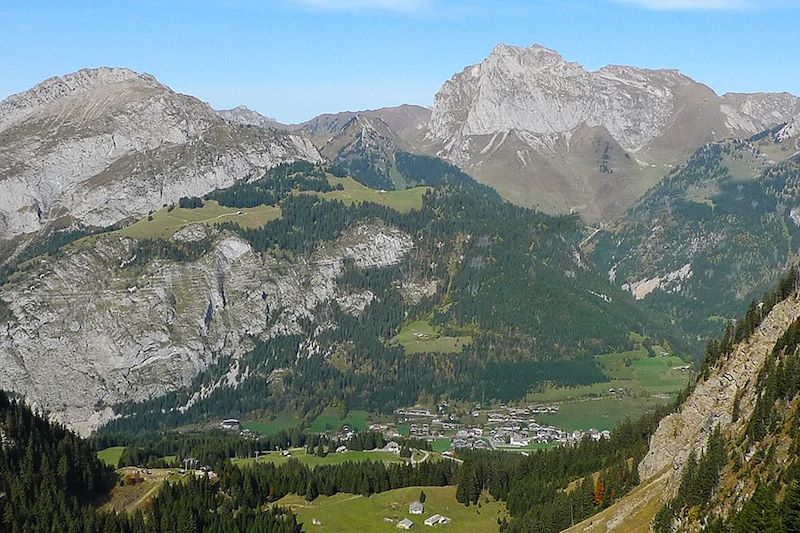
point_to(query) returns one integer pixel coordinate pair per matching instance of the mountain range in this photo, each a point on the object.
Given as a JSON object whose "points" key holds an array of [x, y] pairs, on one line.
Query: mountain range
{"points": [[104, 261]]}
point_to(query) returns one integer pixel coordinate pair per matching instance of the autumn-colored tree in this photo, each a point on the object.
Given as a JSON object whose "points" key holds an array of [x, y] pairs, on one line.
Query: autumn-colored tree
{"points": [[599, 489]]}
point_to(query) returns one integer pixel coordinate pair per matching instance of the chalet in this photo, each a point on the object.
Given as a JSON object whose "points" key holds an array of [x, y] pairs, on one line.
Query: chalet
{"points": [[405, 523], [416, 507], [436, 519], [231, 424], [392, 447]]}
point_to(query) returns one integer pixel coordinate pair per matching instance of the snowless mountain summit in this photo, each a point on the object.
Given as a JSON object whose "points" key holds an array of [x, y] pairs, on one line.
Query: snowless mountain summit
{"points": [[104, 145], [548, 132]]}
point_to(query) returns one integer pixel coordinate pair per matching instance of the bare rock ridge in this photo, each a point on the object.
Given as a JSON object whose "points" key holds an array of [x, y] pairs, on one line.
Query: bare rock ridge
{"points": [[406, 122], [247, 117], [511, 120], [712, 401], [104, 145]]}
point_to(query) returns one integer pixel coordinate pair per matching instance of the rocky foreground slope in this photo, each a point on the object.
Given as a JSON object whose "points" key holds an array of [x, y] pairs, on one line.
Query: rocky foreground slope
{"points": [[746, 403], [548, 132], [100, 146]]}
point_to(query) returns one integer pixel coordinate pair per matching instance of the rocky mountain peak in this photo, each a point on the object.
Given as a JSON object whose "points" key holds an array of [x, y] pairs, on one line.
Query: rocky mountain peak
{"points": [[100, 146], [535, 89], [245, 116], [18, 106], [640, 122]]}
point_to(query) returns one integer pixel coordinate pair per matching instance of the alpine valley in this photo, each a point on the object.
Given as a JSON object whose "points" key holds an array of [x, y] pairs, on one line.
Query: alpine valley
{"points": [[256, 323]]}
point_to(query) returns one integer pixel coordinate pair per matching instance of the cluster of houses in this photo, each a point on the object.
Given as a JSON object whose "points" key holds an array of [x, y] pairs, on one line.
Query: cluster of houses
{"points": [[504, 427], [417, 508]]}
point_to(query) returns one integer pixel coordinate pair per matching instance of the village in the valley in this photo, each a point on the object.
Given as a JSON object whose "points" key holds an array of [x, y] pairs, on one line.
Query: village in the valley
{"points": [[501, 428]]}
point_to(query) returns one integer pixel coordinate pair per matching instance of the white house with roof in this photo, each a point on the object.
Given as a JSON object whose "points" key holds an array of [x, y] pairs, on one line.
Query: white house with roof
{"points": [[436, 519], [405, 523], [392, 447], [416, 507]]}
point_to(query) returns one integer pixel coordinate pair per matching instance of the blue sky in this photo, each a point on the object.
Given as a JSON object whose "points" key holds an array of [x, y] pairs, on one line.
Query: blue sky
{"points": [[293, 59]]}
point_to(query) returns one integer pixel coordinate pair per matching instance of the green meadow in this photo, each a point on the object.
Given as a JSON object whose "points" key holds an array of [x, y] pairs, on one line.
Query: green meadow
{"points": [[356, 193], [163, 224], [421, 337], [346, 513], [312, 461]]}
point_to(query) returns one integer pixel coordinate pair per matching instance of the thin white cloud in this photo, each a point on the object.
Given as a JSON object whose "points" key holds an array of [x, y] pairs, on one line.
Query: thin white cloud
{"points": [[408, 6], [688, 5]]}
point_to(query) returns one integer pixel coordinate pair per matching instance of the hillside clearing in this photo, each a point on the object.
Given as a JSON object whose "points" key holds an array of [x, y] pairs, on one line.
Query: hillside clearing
{"points": [[110, 456], [344, 513], [421, 337], [356, 193], [165, 223], [312, 461]]}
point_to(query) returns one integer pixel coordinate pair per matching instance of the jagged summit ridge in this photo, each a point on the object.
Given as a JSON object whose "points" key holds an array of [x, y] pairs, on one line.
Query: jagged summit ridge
{"points": [[535, 89], [548, 133], [246, 116]]}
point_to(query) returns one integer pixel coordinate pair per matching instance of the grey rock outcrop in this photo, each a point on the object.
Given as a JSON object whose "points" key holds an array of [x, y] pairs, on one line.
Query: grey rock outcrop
{"points": [[711, 403], [140, 330], [245, 116], [104, 145]]}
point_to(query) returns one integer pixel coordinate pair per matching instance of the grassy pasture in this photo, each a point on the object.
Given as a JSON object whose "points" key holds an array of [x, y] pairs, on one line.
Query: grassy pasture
{"points": [[602, 413], [272, 425], [330, 420], [313, 461], [165, 223], [110, 456], [344, 513], [355, 193], [421, 337]]}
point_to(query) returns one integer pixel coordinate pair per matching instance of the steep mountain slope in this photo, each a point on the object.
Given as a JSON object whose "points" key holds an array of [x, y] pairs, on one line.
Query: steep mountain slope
{"points": [[406, 122], [299, 313], [631, 124], [100, 146], [726, 459], [714, 234], [365, 146]]}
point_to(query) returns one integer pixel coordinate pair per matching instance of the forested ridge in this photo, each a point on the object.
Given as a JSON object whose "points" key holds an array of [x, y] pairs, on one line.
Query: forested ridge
{"points": [[509, 277], [51, 479], [554, 489], [729, 213]]}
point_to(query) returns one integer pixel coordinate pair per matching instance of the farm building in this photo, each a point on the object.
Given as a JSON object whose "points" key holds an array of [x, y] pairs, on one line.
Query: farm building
{"points": [[436, 519]]}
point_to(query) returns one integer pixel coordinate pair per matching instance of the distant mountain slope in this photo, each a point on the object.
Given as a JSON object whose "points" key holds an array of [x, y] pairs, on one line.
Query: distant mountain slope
{"points": [[405, 121], [549, 133], [713, 235], [104, 145], [299, 313]]}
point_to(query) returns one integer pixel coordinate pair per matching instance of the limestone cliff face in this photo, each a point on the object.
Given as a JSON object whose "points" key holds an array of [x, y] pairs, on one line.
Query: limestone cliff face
{"points": [[789, 134], [103, 145], [549, 133], [711, 403], [128, 331]]}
